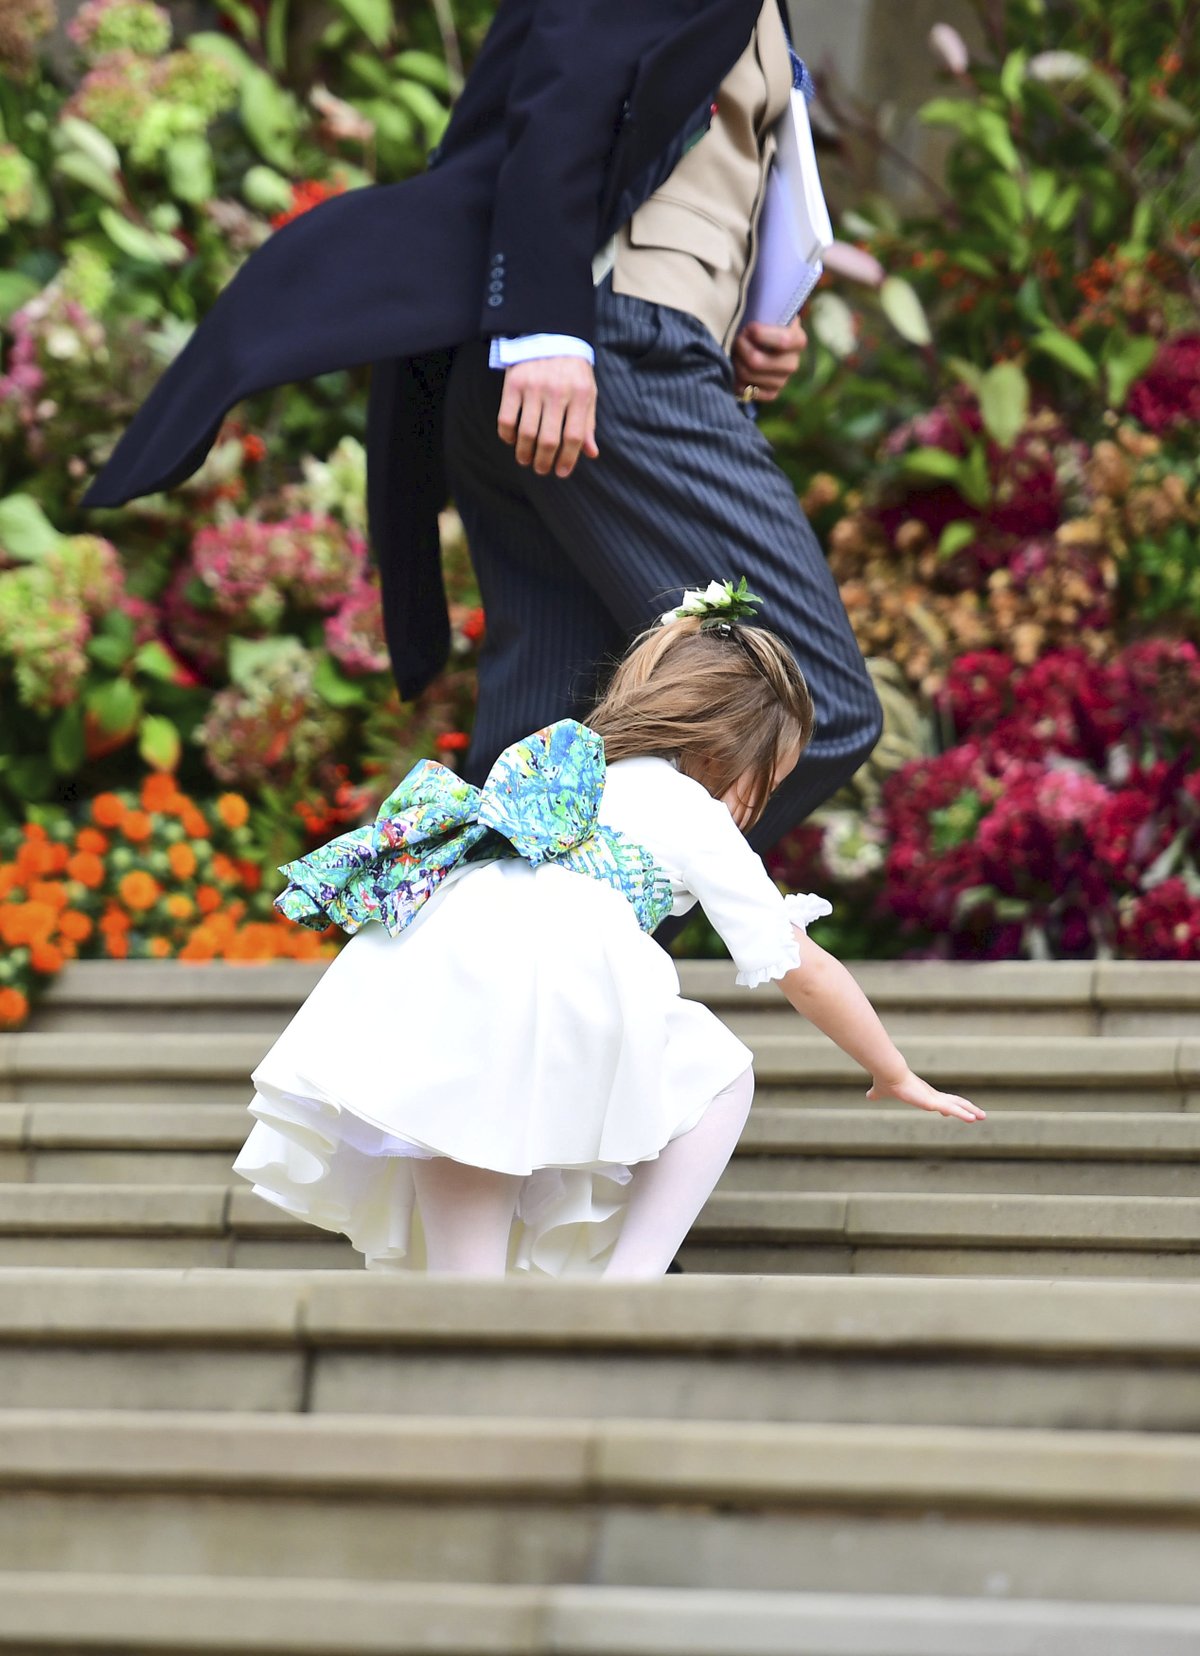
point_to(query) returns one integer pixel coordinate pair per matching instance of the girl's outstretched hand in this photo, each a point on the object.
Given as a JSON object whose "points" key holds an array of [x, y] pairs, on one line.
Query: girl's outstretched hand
{"points": [[910, 1089]]}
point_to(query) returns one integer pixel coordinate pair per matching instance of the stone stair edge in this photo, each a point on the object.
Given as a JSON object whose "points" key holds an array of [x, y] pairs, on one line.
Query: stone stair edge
{"points": [[1102, 984], [315, 1308], [449, 1458], [38, 1125], [365, 1618], [1156, 1223], [1065, 1061]]}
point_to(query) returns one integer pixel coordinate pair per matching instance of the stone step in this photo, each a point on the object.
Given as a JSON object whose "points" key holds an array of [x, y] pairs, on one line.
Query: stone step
{"points": [[245, 1616], [781, 1149], [1036, 1072], [1017, 997], [1083, 1516], [827, 1232], [1099, 1355]]}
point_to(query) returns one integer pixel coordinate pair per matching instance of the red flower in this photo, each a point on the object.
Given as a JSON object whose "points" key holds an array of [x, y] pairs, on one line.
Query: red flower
{"points": [[1162, 924], [452, 741], [309, 193]]}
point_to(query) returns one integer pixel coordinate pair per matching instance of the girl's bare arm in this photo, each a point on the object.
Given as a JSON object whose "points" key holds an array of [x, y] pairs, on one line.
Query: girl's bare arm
{"points": [[823, 991]]}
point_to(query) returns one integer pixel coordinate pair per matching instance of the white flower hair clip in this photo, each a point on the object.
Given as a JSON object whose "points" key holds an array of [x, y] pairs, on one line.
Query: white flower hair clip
{"points": [[718, 606]]}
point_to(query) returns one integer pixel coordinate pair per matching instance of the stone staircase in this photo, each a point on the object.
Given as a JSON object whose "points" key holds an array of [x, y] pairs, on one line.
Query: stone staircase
{"points": [[926, 1390]]}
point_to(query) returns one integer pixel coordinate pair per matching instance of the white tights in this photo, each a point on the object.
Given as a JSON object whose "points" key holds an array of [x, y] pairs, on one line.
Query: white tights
{"points": [[467, 1212]]}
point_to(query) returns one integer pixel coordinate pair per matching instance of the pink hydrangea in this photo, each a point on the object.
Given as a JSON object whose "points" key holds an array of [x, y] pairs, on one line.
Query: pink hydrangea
{"points": [[354, 635]]}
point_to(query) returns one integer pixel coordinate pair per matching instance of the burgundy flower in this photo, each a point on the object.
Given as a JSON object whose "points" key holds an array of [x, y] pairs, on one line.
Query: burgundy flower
{"points": [[1162, 924], [978, 691], [1168, 394]]}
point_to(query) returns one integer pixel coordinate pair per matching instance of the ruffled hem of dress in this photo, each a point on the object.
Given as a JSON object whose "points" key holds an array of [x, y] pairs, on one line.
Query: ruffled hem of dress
{"points": [[329, 1166], [800, 909]]}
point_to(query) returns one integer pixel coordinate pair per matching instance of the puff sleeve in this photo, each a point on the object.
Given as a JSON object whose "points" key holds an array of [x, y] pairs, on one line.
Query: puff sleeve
{"points": [[755, 921]]}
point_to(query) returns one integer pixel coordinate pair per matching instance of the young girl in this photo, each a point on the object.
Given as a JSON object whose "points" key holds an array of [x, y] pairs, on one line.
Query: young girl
{"points": [[498, 1071]]}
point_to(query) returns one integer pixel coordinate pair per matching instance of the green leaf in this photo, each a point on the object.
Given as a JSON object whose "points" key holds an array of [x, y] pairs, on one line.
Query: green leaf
{"points": [[333, 687], [834, 324], [969, 373], [116, 706], [15, 289], [1169, 112], [954, 537], [975, 483], [241, 15], [276, 36], [1012, 75], [82, 169], [1004, 402], [155, 661], [423, 66], [270, 117], [420, 101], [26, 533], [992, 134], [1052, 342], [1062, 209], [1043, 184], [150, 246], [373, 17], [220, 46], [66, 740], [371, 72], [266, 190], [248, 655], [82, 136], [933, 463], [952, 112], [30, 778], [1125, 360], [904, 311], [109, 653], [159, 742], [967, 259], [190, 168]]}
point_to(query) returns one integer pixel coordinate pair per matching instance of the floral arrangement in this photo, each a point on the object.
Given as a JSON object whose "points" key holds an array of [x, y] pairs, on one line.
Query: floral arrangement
{"points": [[153, 876]]}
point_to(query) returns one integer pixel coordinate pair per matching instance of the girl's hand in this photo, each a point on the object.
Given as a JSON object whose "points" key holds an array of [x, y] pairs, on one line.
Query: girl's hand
{"points": [[910, 1089]]}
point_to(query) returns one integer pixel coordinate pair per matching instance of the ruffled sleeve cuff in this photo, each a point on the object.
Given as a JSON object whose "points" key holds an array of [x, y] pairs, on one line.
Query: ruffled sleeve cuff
{"points": [[800, 910]]}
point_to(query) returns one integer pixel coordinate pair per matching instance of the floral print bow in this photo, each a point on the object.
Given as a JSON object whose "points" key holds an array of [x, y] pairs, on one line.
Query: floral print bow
{"points": [[539, 802]]}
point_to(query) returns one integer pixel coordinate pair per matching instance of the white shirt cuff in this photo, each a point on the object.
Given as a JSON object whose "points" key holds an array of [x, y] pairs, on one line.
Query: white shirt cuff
{"points": [[505, 352]]}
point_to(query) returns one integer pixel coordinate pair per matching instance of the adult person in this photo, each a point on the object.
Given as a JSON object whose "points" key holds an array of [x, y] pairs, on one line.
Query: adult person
{"points": [[553, 318]]}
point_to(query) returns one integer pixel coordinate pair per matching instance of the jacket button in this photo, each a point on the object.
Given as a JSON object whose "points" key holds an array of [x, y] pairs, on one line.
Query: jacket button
{"points": [[494, 299]]}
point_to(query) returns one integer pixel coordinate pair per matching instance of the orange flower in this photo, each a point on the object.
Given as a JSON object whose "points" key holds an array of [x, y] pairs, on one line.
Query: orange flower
{"points": [[115, 919], [91, 839], [137, 827], [44, 957], [9, 878], [14, 1008], [182, 860], [74, 926], [86, 867], [117, 947], [139, 890], [159, 948], [34, 859], [224, 868], [249, 873], [26, 923], [59, 856], [51, 892], [233, 810], [208, 898], [107, 810], [158, 791], [35, 831], [180, 907], [201, 945], [195, 824]]}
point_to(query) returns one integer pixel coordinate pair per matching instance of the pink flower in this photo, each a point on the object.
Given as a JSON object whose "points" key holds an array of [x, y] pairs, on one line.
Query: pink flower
{"points": [[1162, 924], [354, 636]]}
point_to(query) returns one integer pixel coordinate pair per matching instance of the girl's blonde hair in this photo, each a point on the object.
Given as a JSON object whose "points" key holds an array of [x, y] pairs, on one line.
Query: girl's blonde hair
{"points": [[720, 703]]}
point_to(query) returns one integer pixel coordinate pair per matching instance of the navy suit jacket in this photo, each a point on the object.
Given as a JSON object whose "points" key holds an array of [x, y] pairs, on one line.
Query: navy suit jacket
{"points": [[574, 113]]}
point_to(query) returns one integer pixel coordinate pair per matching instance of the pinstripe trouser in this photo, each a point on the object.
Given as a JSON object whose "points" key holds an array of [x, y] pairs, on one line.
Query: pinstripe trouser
{"points": [[685, 491]]}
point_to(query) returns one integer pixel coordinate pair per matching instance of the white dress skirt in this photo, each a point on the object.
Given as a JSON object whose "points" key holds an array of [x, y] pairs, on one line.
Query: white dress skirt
{"points": [[525, 1023]]}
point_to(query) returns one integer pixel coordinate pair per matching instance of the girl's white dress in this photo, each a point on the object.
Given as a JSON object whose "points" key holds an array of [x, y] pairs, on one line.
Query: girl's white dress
{"points": [[523, 1022]]}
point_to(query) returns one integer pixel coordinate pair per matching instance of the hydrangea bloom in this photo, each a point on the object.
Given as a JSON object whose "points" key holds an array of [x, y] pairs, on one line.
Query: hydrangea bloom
{"points": [[102, 26], [354, 634], [272, 728], [17, 179]]}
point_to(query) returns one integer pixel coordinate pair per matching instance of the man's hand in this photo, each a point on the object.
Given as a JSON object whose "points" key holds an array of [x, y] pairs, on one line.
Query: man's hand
{"points": [[767, 357], [548, 410]]}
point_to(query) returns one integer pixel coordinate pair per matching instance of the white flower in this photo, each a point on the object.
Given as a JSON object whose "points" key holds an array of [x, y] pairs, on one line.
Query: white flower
{"points": [[950, 46], [695, 602], [1057, 66]]}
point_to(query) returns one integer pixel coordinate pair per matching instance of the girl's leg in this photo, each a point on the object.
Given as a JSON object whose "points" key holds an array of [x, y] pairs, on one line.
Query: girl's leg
{"points": [[467, 1215], [667, 1194]]}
